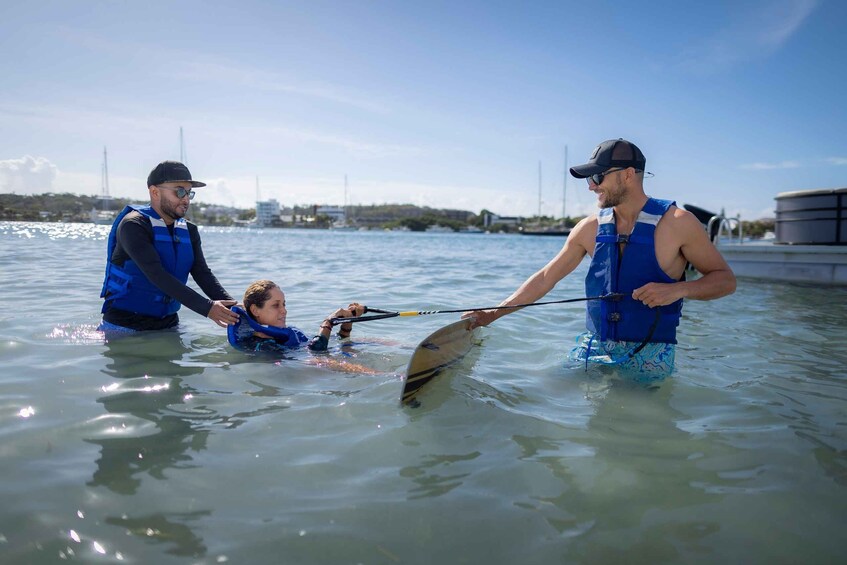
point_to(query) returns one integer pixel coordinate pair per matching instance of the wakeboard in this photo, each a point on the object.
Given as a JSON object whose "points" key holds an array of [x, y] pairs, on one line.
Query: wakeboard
{"points": [[439, 351]]}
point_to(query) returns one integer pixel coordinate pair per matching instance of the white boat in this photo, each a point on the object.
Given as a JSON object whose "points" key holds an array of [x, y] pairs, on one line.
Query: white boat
{"points": [[104, 216], [342, 225], [809, 246]]}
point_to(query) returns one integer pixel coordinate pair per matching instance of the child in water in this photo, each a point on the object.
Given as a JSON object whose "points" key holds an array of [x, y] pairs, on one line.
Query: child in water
{"points": [[262, 324]]}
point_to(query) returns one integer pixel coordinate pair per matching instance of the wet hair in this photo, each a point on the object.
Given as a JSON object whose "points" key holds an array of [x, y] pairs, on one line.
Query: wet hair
{"points": [[258, 293]]}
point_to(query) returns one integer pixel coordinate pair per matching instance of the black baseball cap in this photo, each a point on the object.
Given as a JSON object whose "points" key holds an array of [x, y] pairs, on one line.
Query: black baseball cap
{"points": [[611, 154], [171, 171]]}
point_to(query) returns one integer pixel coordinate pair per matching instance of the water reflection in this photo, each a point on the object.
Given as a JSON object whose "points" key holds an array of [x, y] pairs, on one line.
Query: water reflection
{"points": [[430, 483], [158, 424], [170, 530], [636, 469], [147, 394], [156, 435]]}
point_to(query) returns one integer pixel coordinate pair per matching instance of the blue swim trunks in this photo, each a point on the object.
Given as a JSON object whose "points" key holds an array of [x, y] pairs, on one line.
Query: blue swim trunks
{"points": [[654, 360]]}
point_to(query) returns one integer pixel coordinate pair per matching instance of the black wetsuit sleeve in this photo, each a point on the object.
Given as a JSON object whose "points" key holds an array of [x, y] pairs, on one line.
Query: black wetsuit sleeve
{"points": [[135, 240], [201, 273], [318, 343]]}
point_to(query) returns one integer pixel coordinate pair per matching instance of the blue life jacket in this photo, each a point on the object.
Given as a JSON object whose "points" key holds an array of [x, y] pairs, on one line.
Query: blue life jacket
{"points": [[126, 287], [240, 331], [628, 319]]}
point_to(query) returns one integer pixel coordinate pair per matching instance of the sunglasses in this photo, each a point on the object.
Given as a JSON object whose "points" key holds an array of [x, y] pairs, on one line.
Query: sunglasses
{"points": [[181, 192], [598, 178]]}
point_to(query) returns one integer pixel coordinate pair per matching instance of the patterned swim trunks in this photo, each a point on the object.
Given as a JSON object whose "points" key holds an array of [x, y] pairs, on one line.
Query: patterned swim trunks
{"points": [[655, 360]]}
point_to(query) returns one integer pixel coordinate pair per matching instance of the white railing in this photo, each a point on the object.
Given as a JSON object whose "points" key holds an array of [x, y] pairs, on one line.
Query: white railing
{"points": [[731, 227]]}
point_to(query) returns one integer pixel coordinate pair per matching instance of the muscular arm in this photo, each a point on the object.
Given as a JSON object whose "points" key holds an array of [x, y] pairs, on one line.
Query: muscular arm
{"points": [[693, 243], [579, 243]]}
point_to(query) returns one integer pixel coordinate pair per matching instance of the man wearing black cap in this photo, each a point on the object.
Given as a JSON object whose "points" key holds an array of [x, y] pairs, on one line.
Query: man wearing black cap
{"points": [[151, 251], [639, 247]]}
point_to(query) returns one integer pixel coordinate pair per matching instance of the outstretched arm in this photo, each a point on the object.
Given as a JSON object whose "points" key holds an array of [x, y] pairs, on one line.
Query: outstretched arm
{"points": [[579, 241]]}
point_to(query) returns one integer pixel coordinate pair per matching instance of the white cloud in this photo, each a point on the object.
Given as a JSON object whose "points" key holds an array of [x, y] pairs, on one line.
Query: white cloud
{"points": [[195, 65], [770, 166], [750, 214], [754, 33], [357, 147], [135, 119], [258, 79], [27, 175], [837, 160], [218, 191], [781, 20]]}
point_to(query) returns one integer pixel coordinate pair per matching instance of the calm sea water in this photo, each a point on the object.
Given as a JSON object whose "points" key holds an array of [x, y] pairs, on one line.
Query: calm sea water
{"points": [[173, 448]]}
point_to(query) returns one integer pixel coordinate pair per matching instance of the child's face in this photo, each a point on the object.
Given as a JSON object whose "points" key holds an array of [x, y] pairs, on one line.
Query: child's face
{"points": [[273, 312]]}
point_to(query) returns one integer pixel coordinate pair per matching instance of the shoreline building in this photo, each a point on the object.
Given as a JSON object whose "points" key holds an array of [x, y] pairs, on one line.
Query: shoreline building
{"points": [[492, 219], [267, 213]]}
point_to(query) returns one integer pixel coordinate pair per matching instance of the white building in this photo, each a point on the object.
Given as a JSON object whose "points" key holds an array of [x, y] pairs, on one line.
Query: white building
{"points": [[267, 212], [334, 212]]}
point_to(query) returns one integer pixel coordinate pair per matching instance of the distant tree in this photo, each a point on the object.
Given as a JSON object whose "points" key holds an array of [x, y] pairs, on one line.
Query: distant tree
{"points": [[757, 228], [323, 221], [415, 224]]}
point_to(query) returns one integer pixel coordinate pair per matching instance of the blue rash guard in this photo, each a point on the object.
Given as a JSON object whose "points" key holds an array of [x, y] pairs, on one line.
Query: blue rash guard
{"points": [[621, 264], [127, 288]]}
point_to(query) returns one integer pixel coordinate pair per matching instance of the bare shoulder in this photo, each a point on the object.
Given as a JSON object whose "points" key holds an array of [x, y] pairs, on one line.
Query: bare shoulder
{"points": [[682, 223], [588, 221], [682, 217], [584, 233]]}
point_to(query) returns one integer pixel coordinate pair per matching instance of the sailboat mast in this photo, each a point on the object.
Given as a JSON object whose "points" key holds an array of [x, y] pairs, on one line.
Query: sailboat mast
{"points": [[346, 208], [565, 185], [539, 191], [104, 188], [182, 155]]}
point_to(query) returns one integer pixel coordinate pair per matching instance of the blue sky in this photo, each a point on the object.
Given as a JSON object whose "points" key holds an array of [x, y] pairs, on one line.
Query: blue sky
{"points": [[446, 104]]}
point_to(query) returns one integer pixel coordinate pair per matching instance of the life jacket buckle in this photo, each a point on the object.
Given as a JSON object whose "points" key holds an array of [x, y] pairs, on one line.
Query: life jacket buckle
{"points": [[614, 317]]}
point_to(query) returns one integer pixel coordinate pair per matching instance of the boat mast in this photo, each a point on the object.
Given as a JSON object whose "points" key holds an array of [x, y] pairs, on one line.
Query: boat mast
{"points": [[539, 192], [182, 155], [104, 178], [565, 186]]}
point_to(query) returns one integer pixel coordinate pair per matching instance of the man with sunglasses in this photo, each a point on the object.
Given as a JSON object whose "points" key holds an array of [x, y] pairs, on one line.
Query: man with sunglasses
{"points": [[151, 251], [639, 247]]}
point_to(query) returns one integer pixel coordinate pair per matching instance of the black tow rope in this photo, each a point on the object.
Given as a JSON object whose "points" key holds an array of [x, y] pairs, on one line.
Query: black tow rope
{"points": [[384, 314]]}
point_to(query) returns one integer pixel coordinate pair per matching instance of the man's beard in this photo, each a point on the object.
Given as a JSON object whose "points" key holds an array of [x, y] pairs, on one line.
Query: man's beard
{"points": [[172, 210], [612, 197]]}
